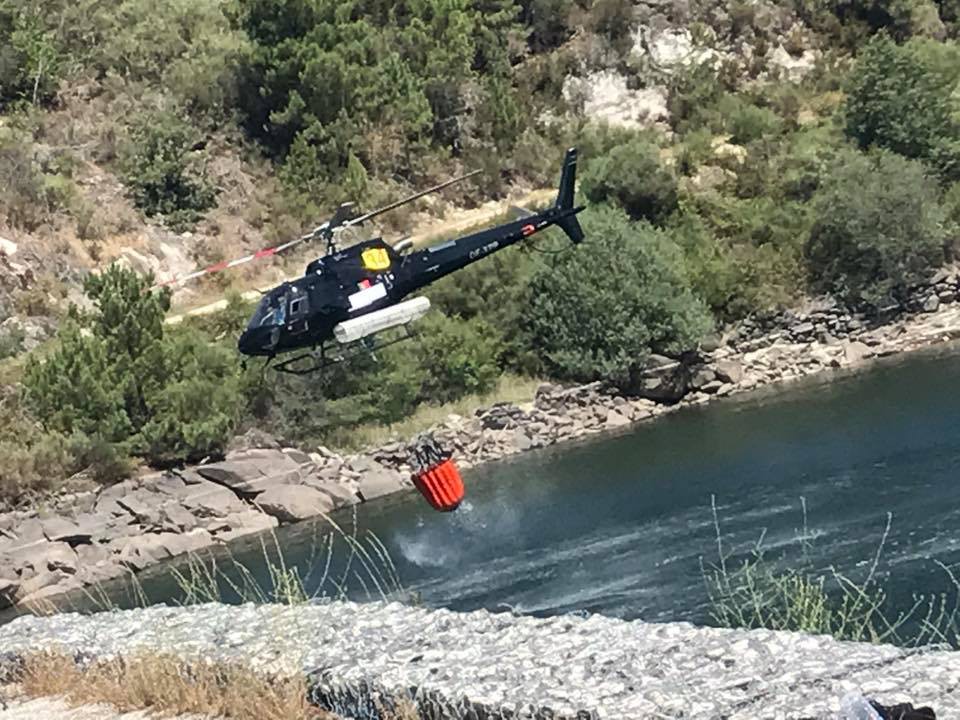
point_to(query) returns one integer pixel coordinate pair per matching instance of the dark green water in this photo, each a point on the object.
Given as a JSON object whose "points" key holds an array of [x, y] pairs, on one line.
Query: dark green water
{"points": [[618, 525]]}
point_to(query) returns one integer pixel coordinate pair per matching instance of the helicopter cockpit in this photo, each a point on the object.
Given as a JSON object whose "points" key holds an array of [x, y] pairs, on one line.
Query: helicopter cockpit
{"points": [[272, 310]]}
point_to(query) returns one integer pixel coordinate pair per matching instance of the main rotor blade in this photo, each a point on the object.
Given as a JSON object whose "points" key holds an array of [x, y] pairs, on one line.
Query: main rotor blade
{"points": [[227, 264], [411, 198], [312, 235]]}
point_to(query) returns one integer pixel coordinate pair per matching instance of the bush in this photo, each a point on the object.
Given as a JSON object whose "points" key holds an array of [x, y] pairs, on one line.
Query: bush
{"points": [[31, 460], [494, 292], [459, 357], [879, 228], [597, 315], [117, 385], [746, 122], [898, 100], [632, 176], [164, 178], [30, 61]]}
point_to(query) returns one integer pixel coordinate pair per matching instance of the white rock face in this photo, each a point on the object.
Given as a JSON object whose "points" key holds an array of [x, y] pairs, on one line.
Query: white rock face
{"points": [[671, 48], [7, 247], [606, 98], [792, 68]]}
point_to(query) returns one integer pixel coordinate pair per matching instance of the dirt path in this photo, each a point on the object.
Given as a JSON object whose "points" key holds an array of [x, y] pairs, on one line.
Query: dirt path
{"points": [[465, 221]]}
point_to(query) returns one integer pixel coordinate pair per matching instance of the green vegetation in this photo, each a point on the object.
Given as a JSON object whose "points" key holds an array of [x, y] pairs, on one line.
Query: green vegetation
{"points": [[879, 229], [900, 98], [596, 316], [118, 384], [752, 590], [161, 176]]}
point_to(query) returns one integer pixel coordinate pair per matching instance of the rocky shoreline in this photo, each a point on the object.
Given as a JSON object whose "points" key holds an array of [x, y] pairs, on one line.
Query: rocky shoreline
{"points": [[361, 658], [89, 539]]}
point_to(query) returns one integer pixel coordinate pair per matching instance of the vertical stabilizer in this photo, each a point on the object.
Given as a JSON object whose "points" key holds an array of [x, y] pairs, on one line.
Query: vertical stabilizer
{"points": [[568, 178]]}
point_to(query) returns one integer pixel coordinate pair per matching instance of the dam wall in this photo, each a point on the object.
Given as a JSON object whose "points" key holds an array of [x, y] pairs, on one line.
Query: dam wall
{"points": [[362, 657]]}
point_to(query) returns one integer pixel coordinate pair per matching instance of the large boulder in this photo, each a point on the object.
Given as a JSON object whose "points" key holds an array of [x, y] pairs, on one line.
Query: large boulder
{"points": [[140, 552], [250, 472], [379, 481], [856, 352], [729, 371], [58, 529], [663, 379], [208, 499], [238, 525], [37, 558], [340, 495], [292, 503]]}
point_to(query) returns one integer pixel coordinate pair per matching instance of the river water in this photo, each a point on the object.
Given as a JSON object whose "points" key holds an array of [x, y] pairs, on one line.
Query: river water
{"points": [[624, 525]]}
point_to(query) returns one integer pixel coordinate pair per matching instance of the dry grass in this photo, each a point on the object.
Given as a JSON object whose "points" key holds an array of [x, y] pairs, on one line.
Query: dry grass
{"points": [[168, 686], [510, 388]]}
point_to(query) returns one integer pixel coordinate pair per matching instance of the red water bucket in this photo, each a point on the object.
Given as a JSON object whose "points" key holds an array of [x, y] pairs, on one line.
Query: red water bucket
{"points": [[441, 485]]}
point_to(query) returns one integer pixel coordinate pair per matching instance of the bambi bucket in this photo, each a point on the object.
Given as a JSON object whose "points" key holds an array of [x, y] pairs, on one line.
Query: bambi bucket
{"points": [[441, 485]]}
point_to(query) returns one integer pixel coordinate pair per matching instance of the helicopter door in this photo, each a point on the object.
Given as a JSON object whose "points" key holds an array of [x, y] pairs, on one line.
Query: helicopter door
{"points": [[298, 311]]}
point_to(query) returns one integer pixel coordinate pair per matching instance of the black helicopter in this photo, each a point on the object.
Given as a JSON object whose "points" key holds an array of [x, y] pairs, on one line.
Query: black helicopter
{"points": [[349, 295]]}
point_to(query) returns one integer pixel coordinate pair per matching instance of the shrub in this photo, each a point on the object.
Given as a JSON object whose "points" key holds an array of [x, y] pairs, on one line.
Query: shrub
{"points": [[164, 178], [597, 315], [32, 192], [632, 176], [459, 357], [898, 100], [746, 122], [116, 384], [31, 460], [492, 291], [879, 228], [30, 60]]}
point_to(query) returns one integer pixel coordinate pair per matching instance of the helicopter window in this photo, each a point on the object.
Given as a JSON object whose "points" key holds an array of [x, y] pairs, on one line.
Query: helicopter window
{"points": [[269, 312], [295, 306]]}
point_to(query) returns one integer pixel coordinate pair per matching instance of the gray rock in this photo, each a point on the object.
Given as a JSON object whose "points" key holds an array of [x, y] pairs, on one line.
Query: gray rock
{"points": [[175, 515], [729, 371], [208, 499], [931, 304], [340, 495], [253, 471], [701, 377], [140, 552], [243, 524], [59, 529], [615, 419], [143, 506], [174, 544], [712, 387], [855, 352], [38, 582], [377, 483], [291, 503], [478, 664]]}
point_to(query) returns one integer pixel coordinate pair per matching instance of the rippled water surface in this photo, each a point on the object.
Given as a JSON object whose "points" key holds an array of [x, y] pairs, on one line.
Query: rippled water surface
{"points": [[620, 525]]}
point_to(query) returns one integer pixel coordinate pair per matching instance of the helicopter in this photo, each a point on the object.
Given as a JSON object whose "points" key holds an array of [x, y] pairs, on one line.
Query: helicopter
{"points": [[350, 295]]}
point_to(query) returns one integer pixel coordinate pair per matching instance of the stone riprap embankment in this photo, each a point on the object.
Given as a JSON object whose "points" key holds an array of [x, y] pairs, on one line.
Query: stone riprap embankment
{"points": [[82, 540], [357, 654]]}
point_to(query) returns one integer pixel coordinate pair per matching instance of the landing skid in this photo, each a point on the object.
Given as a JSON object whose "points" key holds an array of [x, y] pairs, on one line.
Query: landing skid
{"points": [[321, 359]]}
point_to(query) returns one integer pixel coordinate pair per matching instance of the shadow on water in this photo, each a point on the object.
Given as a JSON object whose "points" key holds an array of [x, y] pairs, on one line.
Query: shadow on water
{"points": [[618, 525]]}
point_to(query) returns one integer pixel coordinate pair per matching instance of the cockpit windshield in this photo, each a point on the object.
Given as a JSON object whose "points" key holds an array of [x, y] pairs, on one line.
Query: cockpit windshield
{"points": [[272, 311]]}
